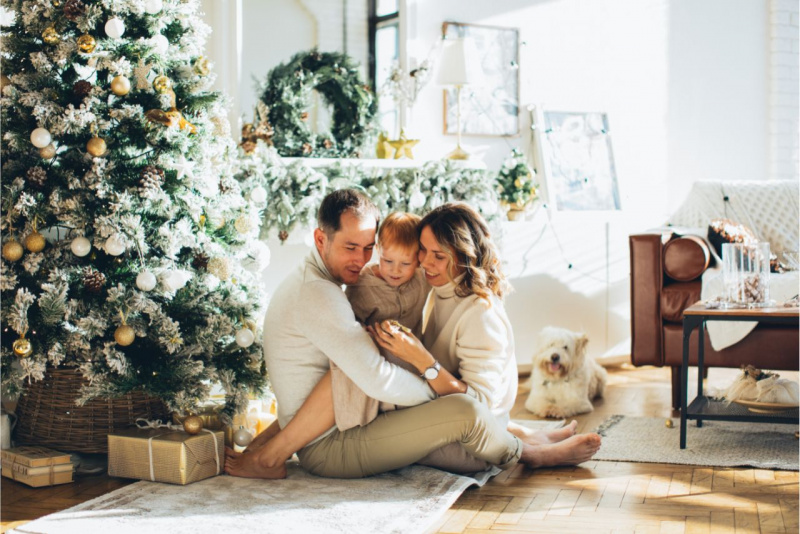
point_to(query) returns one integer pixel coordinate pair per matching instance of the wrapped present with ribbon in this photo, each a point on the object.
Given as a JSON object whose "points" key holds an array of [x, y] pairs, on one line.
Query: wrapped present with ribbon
{"points": [[37, 466], [165, 453], [213, 419]]}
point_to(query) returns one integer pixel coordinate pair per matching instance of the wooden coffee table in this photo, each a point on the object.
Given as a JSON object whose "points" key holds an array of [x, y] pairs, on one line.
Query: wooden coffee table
{"points": [[703, 407]]}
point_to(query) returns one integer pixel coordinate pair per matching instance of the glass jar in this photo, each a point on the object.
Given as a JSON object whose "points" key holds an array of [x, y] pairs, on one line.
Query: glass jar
{"points": [[745, 274]]}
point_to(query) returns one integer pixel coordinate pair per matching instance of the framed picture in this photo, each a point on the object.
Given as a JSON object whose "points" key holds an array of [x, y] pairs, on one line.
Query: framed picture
{"points": [[490, 107], [573, 152]]}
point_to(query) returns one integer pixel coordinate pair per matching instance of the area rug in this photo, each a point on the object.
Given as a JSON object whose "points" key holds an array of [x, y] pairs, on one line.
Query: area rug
{"points": [[406, 501], [716, 443]]}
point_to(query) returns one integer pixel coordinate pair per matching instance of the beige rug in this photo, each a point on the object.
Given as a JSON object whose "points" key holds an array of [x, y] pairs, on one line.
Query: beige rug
{"points": [[405, 501], [716, 443]]}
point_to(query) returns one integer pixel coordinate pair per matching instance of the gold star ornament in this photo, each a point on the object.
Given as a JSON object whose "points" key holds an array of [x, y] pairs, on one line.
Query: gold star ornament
{"points": [[402, 147]]}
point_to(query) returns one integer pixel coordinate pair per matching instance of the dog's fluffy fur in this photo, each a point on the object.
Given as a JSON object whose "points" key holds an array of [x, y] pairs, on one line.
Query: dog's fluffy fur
{"points": [[563, 379]]}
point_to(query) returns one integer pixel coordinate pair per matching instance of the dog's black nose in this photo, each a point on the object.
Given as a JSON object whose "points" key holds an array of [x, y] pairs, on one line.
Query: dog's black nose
{"points": [[554, 358]]}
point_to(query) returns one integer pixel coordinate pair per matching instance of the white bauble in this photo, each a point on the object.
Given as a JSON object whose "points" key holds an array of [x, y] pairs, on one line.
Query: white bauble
{"points": [[151, 7], [176, 279], [416, 201], [257, 258], [41, 137], [159, 43], [114, 245], [242, 437], [146, 281], [80, 246], [245, 337], [258, 194], [115, 27]]}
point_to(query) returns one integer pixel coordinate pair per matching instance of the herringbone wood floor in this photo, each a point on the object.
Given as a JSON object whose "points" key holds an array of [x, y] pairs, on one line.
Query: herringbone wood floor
{"points": [[593, 497]]}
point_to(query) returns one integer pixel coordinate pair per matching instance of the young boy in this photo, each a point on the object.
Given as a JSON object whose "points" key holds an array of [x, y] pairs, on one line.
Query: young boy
{"points": [[396, 289]]}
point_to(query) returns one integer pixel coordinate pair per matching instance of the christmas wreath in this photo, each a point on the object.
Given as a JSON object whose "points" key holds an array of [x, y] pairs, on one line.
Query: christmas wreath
{"points": [[336, 77]]}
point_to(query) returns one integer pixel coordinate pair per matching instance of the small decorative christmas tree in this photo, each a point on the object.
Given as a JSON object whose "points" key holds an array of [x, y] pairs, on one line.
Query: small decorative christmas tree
{"points": [[126, 233], [515, 185]]}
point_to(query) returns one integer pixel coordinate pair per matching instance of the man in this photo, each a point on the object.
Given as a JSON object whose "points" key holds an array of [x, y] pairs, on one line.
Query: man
{"points": [[310, 323]]}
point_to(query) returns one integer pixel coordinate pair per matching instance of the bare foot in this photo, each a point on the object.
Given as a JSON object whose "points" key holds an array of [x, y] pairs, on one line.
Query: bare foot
{"points": [[571, 451], [249, 466], [542, 437]]}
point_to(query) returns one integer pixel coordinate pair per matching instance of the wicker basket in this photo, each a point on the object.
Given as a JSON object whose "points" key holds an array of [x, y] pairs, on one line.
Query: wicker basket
{"points": [[48, 415]]}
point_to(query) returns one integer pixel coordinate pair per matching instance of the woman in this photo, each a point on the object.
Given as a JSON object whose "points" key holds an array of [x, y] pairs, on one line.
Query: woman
{"points": [[469, 338]]}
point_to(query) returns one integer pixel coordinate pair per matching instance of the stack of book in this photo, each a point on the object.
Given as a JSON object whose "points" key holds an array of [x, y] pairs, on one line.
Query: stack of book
{"points": [[37, 466]]}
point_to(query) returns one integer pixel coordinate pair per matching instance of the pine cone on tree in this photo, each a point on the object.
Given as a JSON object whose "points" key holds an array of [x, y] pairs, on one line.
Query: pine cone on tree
{"points": [[225, 184], [200, 260], [37, 176], [93, 280], [283, 235], [74, 9], [152, 178], [81, 89]]}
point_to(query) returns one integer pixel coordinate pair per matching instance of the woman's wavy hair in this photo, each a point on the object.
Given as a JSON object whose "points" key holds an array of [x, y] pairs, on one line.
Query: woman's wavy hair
{"points": [[464, 236]]}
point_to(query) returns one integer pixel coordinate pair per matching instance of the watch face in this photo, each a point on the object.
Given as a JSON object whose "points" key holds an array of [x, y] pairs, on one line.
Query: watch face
{"points": [[431, 373]]}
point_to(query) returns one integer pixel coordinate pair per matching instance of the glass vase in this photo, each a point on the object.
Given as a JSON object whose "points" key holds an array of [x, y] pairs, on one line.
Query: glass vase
{"points": [[745, 274]]}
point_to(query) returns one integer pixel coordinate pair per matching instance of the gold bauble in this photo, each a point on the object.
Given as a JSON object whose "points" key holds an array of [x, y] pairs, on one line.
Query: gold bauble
{"points": [[35, 242], [162, 84], [96, 147], [193, 424], [22, 347], [86, 43], [120, 86], [50, 35], [668, 423], [124, 335], [12, 250], [201, 66], [48, 152]]}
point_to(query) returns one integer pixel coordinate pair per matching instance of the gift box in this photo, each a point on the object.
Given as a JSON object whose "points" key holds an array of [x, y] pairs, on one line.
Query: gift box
{"points": [[37, 466], [165, 455]]}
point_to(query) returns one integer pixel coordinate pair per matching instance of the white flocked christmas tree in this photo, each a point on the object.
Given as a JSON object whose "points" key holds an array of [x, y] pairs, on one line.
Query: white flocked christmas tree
{"points": [[130, 247]]}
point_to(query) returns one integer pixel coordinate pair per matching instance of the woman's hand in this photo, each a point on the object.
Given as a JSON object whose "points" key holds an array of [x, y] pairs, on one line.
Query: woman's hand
{"points": [[402, 344]]}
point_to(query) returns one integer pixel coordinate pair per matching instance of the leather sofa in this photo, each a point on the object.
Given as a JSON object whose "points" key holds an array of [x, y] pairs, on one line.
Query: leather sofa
{"points": [[665, 280]]}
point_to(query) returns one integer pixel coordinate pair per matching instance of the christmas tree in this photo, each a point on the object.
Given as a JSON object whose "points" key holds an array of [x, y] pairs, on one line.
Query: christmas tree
{"points": [[126, 233]]}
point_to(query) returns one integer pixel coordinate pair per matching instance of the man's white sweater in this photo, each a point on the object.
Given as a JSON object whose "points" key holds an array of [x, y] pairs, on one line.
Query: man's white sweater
{"points": [[310, 323]]}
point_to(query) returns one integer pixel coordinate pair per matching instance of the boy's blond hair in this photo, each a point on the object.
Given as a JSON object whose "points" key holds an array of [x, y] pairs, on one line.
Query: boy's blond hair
{"points": [[400, 229]]}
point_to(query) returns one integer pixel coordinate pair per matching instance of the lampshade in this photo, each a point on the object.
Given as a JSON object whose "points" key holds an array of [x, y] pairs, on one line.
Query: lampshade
{"points": [[459, 63]]}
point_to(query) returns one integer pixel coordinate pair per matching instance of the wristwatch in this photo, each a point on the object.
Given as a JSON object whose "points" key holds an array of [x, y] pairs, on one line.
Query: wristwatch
{"points": [[432, 372]]}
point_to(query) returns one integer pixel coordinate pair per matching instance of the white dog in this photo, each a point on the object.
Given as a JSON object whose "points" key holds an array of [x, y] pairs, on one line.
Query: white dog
{"points": [[564, 380]]}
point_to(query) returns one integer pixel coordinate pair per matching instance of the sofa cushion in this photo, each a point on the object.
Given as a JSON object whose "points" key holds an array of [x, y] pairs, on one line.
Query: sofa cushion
{"points": [[677, 297], [686, 258]]}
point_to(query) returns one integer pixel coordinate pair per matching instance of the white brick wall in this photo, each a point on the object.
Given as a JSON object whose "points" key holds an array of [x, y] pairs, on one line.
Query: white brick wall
{"points": [[784, 103]]}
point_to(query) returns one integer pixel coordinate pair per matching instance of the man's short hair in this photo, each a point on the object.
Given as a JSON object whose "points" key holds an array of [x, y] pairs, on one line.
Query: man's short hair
{"points": [[399, 229], [329, 216]]}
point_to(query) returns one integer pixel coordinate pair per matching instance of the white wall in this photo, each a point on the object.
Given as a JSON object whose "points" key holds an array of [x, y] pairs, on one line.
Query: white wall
{"points": [[685, 86]]}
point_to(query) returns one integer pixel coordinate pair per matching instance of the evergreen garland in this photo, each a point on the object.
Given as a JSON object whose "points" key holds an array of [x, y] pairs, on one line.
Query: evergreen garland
{"points": [[336, 78]]}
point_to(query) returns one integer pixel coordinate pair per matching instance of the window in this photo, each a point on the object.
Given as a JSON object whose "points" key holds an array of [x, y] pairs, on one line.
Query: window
{"points": [[384, 53]]}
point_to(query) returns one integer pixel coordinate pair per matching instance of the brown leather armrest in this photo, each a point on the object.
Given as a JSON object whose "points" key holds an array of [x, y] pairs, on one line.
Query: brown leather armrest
{"points": [[647, 280]]}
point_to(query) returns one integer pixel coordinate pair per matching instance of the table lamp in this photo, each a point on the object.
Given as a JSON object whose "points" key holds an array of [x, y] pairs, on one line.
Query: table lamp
{"points": [[458, 66]]}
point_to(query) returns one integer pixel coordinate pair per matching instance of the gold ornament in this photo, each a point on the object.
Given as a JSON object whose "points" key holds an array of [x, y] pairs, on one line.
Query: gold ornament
{"points": [[402, 147], [12, 250], [162, 84], [96, 146], [22, 347], [201, 221], [193, 425], [124, 335], [35, 242], [201, 66], [50, 35], [384, 149], [86, 43], [47, 152], [120, 85], [668, 423], [141, 72]]}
